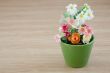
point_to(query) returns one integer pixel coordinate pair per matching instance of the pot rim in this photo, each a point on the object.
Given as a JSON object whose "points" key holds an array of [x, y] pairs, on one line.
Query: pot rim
{"points": [[92, 41]]}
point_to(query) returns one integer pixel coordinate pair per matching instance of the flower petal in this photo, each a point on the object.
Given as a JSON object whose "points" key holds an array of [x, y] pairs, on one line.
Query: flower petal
{"points": [[57, 38]]}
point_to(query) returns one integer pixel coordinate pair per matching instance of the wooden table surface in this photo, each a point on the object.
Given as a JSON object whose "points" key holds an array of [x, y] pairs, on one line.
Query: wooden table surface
{"points": [[27, 29]]}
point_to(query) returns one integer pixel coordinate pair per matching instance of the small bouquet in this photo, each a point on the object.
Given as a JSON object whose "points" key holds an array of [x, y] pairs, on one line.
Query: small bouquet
{"points": [[73, 27]]}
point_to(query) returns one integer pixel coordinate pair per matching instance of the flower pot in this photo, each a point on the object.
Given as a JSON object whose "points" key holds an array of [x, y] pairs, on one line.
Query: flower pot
{"points": [[77, 55]]}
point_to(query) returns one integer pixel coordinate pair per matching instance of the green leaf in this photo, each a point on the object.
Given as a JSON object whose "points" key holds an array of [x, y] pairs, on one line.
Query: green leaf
{"points": [[73, 30], [64, 39], [66, 14]]}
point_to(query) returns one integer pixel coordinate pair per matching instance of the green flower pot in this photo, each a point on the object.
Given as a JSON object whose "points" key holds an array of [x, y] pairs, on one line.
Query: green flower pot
{"points": [[76, 55]]}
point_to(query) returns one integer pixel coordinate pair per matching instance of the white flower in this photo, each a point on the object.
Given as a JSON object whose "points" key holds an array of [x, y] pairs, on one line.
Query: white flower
{"points": [[86, 38], [88, 12], [81, 19], [77, 23], [60, 29], [72, 9], [89, 15], [61, 32]]}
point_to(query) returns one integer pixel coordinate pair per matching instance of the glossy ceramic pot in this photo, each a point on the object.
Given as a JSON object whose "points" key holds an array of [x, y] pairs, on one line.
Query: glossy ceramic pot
{"points": [[77, 55]]}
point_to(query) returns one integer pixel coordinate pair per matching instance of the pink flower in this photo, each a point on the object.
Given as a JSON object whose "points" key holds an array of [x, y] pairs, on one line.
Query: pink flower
{"points": [[70, 21], [65, 28], [67, 34], [85, 29], [57, 38], [82, 30], [88, 29]]}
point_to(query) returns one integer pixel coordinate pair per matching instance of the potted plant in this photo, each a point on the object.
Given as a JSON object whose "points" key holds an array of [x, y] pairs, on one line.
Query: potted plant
{"points": [[75, 35]]}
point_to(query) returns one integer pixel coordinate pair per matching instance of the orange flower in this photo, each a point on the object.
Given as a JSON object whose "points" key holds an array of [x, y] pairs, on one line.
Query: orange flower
{"points": [[69, 38], [75, 38]]}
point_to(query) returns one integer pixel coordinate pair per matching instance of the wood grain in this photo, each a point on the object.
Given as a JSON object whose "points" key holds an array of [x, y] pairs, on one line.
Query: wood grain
{"points": [[27, 28]]}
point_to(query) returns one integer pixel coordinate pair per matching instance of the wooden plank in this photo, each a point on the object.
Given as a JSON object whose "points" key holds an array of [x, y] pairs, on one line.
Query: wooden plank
{"points": [[27, 29]]}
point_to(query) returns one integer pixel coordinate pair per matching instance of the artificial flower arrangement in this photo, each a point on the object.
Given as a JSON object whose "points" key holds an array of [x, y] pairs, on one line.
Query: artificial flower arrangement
{"points": [[73, 27], [75, 35]]}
